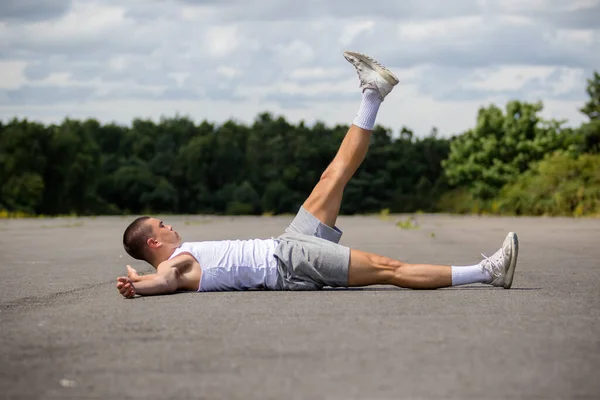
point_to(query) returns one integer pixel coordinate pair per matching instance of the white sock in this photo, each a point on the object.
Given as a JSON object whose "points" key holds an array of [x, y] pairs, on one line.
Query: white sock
{"points": [[469, 274], [368, 110]]}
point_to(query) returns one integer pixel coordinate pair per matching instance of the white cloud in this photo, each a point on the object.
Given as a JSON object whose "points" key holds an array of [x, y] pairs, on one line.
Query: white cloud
{"points": [[516, 20], [520, 6], [227, 72], [120, 60], [353, 29], [569, 79], [98, 21], [297, 51], [198, 13], [179, 77], [222, 40], [11, 74], [439, 29], [580, 4], [304, 89], [118, 63], [508, 77], [300, 74], [576, 37], [535, 82]]}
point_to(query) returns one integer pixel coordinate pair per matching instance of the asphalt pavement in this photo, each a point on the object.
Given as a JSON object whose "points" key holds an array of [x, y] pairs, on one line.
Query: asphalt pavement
{"points": [[66, 333]]}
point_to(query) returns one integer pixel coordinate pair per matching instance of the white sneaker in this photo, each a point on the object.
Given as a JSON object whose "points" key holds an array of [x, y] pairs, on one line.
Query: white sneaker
{"points": [[372, 75], [501, 265]]}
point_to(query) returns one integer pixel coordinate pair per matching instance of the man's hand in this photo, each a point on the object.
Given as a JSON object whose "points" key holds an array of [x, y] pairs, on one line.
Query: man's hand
{"points": [[133, 274], [166, 279], [125, 286]]}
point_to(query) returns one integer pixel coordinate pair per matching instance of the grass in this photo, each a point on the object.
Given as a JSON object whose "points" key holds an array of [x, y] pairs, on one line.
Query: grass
{"points": [[384, 214], [408, 223], [5, 214]]}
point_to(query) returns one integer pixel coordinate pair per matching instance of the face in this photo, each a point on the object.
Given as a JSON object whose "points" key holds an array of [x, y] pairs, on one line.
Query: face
{"points": [[164, 234]]}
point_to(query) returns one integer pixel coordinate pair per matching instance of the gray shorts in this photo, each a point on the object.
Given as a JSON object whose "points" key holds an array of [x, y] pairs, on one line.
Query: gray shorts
{"points": [[309, 256]]}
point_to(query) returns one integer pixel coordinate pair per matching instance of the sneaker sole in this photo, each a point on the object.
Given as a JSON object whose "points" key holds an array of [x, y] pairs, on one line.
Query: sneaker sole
{"points": [[510, 272], [380, 69]]}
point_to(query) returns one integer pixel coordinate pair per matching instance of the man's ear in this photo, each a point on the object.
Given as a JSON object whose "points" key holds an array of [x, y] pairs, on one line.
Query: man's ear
{"points": [[153, 243]]}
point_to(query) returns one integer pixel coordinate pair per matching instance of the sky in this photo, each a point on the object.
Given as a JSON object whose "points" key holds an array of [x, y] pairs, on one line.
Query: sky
{"points": [[116, 60]]}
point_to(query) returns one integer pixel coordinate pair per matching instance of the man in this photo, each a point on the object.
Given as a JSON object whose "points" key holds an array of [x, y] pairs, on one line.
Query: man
{"points": [[307, 256]]}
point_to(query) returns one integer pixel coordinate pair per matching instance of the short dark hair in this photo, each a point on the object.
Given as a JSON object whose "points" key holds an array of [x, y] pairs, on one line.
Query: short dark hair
{"points": [[135, 237]]}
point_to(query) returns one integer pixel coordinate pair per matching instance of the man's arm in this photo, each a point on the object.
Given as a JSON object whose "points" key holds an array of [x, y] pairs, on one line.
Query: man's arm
{"points": [[165, 281], [136, 277], [148, 277]]}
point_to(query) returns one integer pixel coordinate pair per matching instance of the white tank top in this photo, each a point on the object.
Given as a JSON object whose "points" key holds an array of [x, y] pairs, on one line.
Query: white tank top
{"points": [[234, 264]]}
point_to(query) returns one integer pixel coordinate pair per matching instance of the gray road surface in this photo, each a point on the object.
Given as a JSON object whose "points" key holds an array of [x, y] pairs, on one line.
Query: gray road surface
{"points": [[66, 332]]}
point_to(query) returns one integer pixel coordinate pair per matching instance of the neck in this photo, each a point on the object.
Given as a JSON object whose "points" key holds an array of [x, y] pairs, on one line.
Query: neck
{"points": [[161, 255]]}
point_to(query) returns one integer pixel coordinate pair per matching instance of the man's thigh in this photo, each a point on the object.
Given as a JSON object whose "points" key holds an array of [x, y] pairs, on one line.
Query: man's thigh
{"points": [[311, 263], [307, 224], [325, 200]]}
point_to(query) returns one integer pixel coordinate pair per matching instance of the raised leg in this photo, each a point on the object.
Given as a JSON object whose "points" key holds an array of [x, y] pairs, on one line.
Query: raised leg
{"points": [[326, 198], [376, 82]]}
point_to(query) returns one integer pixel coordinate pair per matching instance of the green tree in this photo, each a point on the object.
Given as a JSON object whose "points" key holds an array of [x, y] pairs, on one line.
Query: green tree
{"points": [[71, 178], [590, 132], [278, 198], [502, 146], [193, 169], [131, 187], [561, 184], [23, 159], [181, 167], [592, 107]]}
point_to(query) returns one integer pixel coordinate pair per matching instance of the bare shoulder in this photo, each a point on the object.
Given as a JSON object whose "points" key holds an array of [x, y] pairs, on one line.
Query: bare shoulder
{"points": [[180, 261], [187, 270]]}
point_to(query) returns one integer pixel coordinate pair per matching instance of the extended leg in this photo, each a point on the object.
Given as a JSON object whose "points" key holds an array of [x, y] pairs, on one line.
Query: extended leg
{"points": [[371, 269], [376, 82]]}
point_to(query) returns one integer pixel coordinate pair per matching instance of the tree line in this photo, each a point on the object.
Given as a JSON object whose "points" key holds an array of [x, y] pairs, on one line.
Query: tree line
{"points": [[511, 161]]}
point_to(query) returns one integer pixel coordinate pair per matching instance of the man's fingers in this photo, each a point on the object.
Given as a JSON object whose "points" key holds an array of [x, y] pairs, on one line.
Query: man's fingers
{"points": [[125, 286]]}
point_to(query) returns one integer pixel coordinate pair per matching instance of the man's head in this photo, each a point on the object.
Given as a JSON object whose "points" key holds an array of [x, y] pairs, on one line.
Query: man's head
{"points": [[149, 239]]}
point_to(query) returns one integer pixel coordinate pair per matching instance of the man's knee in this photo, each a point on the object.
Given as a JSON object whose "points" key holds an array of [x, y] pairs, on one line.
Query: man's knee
{"points": [[389, 269]]}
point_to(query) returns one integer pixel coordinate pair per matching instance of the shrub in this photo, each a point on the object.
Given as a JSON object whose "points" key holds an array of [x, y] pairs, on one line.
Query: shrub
{"points": [[560, 185]]}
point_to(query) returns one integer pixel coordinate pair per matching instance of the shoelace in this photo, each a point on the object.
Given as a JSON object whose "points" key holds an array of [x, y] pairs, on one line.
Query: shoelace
{"points": [[358, 64], [495, 261], [373, 61]]}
